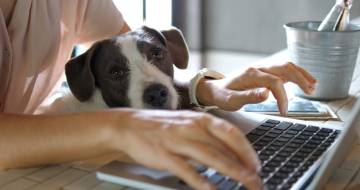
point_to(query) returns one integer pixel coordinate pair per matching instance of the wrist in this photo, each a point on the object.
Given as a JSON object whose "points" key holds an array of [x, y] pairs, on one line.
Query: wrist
{"points": [[117, 121], [204, 92]]}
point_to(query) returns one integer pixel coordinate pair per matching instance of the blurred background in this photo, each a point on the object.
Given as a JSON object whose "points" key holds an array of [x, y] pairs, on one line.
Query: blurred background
{"points": [[227, 34]]}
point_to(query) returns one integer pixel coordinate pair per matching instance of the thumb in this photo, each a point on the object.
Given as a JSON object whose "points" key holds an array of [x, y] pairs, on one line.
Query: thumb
{"points": [[232, 100]]}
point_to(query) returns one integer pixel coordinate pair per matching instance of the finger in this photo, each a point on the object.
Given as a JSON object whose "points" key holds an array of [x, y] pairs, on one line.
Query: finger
{"points": [[213, 158], [179, 167], [306, 74], [290, 72], [275, 84], [234, 100], [238, 143]]}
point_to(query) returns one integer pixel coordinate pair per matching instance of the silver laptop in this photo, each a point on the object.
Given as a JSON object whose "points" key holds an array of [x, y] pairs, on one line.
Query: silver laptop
{"points": [[294, 154]]}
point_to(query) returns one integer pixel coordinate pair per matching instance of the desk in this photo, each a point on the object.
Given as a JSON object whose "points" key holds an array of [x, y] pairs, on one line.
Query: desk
{"points": [[81, 175]]}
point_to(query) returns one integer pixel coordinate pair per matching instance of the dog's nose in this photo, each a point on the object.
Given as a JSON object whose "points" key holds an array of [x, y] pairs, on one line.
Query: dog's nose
{"points": [[155, 95]]}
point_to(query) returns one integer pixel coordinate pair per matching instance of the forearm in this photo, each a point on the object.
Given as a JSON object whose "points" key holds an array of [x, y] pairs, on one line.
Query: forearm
{"points": [[204, 93], [27, 140]]}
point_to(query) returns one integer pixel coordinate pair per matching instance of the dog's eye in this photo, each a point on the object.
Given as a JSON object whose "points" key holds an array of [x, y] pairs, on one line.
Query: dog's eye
{"points": [[117, 73], [157, 53]]}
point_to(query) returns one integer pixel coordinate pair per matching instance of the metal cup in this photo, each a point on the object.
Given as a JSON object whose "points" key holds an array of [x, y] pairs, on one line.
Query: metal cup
{"points": [[330, 56]]}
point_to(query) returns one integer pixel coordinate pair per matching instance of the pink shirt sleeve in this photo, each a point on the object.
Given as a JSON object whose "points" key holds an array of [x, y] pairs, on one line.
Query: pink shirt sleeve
{"points": [[100, 19]]}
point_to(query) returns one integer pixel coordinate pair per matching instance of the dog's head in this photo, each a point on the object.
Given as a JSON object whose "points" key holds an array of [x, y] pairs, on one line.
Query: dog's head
{"points": [[131, 70]]}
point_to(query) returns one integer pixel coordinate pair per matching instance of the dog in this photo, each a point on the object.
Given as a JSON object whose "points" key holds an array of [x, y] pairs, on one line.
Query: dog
{"points": [[134, 69]]}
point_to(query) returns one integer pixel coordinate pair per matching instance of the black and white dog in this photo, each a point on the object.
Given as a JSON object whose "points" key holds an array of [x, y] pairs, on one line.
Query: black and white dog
{"points": [[131, 70]]}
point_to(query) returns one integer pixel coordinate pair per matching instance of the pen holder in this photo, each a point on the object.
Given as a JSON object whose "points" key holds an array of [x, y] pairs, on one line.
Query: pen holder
{"points": [[330, 56]]}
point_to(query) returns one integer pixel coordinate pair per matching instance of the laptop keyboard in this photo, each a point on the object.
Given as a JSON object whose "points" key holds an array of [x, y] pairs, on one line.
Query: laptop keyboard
{"points": [[286, 150]]}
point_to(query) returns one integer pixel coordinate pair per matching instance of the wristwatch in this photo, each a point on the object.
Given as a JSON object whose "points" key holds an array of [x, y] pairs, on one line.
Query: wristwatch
{"points": [[203, 73]]}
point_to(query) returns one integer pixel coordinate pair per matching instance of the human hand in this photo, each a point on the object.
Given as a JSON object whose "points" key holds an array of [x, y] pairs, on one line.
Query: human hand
{"points": [[167, 140], [253, 85]]}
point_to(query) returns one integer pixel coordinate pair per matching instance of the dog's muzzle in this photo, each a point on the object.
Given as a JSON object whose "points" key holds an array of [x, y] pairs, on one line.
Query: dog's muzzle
{"points": [[156, 96]]}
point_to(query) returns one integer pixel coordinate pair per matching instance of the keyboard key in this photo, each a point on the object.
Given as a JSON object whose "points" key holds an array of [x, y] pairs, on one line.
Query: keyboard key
{"points": [[286, 170], [283, 125], [287, 135], [277, 131], [268, 152], [293, 145], [272, 135], [289, 149], [298, 127], [296, 159], [318, 153], [261, 143], [337, 132], [216, 178], [303, 168], [268, 125], [278, 143], [291, 132], [273, 148], [281, 175], [267, 139], [330, 140], [227, 184], [306, 150], [273, 164], [275, 180], [263, 157], [267, 169], [301, 154], [326, 130], [315, 142], [264, 128], [272, 121], [286, 186], [279, 159], [258, 132], [318, 138], [303, 137], [285, 154], [291, 165], [298, 141], [312, 146], [270, 186], [322, 134], [311, 129], [292, 180], [252, 138], [307, 133], [283, 139]]}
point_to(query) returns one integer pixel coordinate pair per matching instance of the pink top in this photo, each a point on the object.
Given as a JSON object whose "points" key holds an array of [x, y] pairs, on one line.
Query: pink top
{"points": [[36, 40]]}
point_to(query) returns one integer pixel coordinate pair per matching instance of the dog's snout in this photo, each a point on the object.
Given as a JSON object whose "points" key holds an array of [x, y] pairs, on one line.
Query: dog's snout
{"points": [[156, 95]]}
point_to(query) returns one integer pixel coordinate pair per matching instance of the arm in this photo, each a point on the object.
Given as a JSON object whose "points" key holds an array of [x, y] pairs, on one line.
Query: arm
{"points": [[28, 140], [251, 86], [153, 138]]}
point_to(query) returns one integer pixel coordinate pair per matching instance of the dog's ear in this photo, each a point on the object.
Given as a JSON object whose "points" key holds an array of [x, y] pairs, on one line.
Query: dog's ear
{"points": [[79, 75], [175, 41]]}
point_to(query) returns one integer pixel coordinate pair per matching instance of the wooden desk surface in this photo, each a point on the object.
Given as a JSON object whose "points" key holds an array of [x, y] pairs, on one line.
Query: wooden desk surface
{"points": [[81, 175]]}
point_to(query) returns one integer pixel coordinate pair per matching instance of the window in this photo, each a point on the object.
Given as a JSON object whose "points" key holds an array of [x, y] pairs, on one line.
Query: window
{"points": [[155, 14]]}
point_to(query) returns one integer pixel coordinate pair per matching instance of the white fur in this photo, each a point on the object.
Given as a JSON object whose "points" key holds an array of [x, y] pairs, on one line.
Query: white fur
{"points": [[143, 73], [65, 102]]}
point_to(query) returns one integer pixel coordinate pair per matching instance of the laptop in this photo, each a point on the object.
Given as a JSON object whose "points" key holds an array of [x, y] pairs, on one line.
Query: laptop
{"points": [[294, 154]]}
